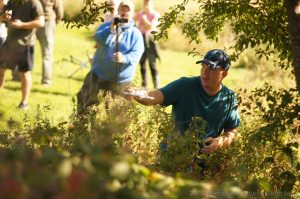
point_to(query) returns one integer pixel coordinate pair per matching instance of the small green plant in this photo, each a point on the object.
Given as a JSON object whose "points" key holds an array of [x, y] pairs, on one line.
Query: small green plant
{"points": [[180, 153]]}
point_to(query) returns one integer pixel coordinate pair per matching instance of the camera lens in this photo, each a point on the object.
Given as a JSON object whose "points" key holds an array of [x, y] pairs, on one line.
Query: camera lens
{"points": [[118, 20]]}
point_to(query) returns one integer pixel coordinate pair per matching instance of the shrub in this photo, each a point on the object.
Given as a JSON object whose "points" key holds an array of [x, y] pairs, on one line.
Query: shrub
{"points": [[87, 157], [82, 158]]}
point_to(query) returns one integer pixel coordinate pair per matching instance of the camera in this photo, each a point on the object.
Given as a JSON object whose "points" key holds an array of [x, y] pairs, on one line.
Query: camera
{"points": [[6, 16], [7, 12], [118, 20]]}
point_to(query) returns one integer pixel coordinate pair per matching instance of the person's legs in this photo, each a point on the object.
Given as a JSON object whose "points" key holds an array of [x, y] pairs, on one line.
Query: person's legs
{"points": [[2, 77], [2, 70], [25, 66], [26, 82], [15, 74], [143, 70], [152, 63], [143, 64], [88, 94], [45, 36], [154, 73]]}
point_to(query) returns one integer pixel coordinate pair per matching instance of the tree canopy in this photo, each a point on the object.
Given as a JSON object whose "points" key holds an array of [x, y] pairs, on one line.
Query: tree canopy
{"points": [[271, 27]]}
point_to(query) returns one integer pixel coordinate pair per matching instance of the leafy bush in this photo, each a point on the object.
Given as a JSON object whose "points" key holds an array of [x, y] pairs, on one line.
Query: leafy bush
{"points": [[87, 157], [82, 158], [266, 155]]}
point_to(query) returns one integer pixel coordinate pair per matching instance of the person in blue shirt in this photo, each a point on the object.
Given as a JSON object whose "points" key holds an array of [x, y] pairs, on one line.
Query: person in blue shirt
{"points": [[114, 63], [203, 96]]}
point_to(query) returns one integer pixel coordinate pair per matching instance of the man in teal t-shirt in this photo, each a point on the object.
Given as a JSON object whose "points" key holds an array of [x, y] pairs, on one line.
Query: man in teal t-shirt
{"points": [[203, 96]]}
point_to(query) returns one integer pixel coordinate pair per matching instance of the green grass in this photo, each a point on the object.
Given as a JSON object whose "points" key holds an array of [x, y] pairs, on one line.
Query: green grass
{"points": [[77, 43], [59, 96]]}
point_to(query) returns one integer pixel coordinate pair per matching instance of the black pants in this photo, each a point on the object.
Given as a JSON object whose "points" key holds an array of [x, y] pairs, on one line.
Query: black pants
{"points": [[88, 94], [150, 54]]}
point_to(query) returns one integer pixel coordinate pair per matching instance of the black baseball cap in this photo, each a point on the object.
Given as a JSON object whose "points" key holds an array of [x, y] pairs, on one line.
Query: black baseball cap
{"points": [[216, 59]]}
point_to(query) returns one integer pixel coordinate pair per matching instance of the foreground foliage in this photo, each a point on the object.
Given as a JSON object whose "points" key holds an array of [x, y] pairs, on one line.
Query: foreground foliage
{"points": [[79, 160], [87, 157]]}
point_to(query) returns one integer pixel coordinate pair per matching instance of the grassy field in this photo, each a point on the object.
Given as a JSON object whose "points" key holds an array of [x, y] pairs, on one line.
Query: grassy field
{"points": [[77, 43]]}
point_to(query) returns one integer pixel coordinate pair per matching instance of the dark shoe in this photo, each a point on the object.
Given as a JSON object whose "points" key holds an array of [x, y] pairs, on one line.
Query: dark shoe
{"points": [[23, 106]]}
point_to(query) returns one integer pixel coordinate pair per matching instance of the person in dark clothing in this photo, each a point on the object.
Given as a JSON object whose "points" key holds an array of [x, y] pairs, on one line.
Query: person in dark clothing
{"points": [[147, 21], [18, 48]]}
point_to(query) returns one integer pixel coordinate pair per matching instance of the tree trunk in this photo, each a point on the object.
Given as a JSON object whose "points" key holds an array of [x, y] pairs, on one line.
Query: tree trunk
{"points": [[293, 12]]}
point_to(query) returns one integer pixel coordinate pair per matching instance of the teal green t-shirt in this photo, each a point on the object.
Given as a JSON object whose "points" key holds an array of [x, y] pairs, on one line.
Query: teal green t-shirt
{"points": [[189, 100]]}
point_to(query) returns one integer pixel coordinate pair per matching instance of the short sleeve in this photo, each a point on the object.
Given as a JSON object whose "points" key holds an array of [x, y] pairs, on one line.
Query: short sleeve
{"points": [[37, 9], [173, 91]]}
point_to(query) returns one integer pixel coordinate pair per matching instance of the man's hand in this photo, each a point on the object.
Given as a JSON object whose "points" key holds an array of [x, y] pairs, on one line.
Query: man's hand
{"points": [[118, 57], [211, 144], [135, 93], [144, 96], [129, 90], [16, 24], [6, 16], [112, 26]]}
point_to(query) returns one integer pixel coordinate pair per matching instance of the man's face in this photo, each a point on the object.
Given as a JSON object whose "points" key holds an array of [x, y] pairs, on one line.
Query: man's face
{"points": [[212, 77], [125, 12]]}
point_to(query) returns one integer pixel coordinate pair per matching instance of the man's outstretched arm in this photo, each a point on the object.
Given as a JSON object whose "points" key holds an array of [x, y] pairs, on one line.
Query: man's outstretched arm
{"points": [[147, 98]]}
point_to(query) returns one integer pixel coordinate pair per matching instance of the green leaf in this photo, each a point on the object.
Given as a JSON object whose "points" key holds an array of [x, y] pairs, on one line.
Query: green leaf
{"points": [[287, 187], [289, 153], [298, 167], [242, 170], [264, 184], [288, 177], [268, 160]]}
